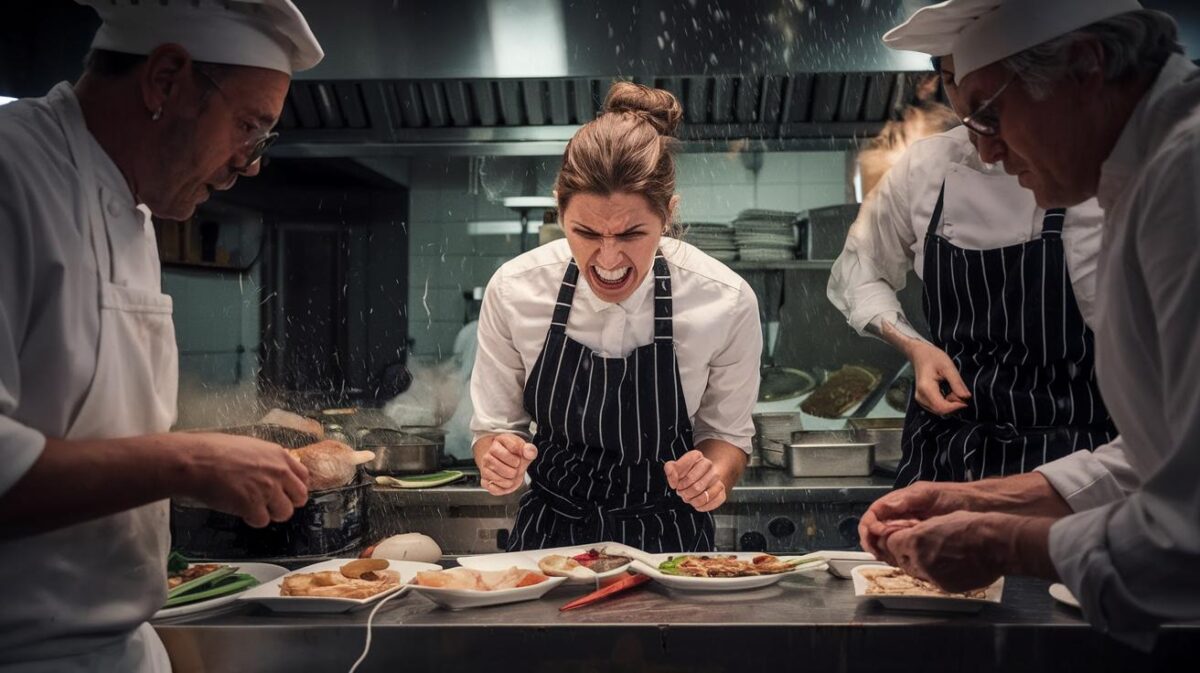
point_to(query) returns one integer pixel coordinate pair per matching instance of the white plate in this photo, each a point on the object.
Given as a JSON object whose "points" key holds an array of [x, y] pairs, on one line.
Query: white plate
{"points": [[530, 557], [268, 593], [649, 566], [1062, 594], [928, 603], [842, 562], [457, 599], [263, 572]]}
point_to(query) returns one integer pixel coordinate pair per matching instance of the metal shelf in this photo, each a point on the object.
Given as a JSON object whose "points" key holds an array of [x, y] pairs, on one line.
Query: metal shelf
{"points": [[783, 265]]}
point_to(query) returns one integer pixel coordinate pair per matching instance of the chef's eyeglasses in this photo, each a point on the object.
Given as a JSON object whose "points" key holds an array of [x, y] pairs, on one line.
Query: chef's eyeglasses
{"points": [[985, 121], [255, 147]]}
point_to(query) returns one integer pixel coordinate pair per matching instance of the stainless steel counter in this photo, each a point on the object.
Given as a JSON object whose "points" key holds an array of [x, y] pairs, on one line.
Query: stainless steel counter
{"points": [[767, 510], [805, 624]]}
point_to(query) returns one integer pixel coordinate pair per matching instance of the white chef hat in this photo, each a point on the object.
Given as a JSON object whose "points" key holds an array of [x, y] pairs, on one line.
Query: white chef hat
{"points": [[262, 33], [978, 33]]}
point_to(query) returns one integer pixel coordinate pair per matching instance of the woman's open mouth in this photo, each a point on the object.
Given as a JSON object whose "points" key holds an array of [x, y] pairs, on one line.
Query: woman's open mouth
{"points": [[611, 280]]}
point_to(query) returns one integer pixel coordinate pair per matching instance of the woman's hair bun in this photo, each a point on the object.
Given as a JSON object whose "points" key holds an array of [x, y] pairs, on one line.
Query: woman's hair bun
{"points": [[656, 106]]}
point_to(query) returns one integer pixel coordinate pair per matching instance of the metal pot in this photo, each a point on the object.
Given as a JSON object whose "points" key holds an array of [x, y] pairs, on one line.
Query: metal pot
{"points": [[400, 452], [331, 523]]}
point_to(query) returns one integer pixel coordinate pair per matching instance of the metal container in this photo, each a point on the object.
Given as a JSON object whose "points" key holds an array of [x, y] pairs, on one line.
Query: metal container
{"points": [[823, 230], [885, 433], [774, 453], [829, 454], [331, 523], [399, 453]]}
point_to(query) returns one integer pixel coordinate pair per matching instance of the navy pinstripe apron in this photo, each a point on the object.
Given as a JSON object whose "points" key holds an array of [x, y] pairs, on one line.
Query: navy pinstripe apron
{"points": [[1007, 317], [604, 428]]}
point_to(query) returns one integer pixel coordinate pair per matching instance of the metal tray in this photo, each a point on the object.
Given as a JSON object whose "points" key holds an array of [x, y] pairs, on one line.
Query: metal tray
{"points": [[831, 459]]}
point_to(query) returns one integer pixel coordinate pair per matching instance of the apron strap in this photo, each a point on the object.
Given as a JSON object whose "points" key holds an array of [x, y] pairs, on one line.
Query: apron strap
{"points": [[936, 218], [566, 294], [1052, 223], [663, 307]]}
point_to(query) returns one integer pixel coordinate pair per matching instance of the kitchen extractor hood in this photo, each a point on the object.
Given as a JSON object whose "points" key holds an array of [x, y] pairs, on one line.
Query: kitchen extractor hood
{"points": [[519, 76]]}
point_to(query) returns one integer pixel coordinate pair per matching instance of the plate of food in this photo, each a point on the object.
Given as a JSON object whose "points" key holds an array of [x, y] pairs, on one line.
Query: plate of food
{"points": [[460, 588], [338, 585], [198, 587], [895, 589], [723, 572], [585, 564]]}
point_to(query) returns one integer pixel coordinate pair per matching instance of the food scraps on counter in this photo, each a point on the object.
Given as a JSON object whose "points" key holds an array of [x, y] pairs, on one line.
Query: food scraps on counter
{"points": [[884, 581], [361, 578]]}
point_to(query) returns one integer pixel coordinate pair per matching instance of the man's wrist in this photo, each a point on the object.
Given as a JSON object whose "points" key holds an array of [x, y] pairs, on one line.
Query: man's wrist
{"points": [[1025, 541]]}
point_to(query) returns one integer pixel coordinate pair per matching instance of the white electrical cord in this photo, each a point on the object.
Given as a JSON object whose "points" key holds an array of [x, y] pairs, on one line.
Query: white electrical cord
{"points": [[370, 619]]}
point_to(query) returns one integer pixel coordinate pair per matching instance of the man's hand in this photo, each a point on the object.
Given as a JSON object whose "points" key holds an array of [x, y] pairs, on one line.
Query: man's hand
{"points": [[503, 461], [932, 367], [697, 480], [258, 481], [907, 506], [969, 550]]}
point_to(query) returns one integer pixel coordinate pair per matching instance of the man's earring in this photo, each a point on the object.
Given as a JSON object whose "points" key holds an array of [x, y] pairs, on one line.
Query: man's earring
{"points": [[157, 113]]}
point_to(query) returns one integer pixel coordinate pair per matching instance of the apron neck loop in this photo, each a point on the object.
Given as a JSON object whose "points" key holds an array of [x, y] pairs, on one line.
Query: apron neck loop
{"points": [[936, 220], [1052, 223]]}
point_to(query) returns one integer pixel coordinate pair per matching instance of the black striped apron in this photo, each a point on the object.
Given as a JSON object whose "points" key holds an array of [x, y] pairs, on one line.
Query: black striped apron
{"points": [[604, 428], [1007, 317]]}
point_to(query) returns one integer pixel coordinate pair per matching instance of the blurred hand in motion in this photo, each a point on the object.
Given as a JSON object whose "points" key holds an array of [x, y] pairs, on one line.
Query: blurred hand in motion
{"points": [[258, 481]]}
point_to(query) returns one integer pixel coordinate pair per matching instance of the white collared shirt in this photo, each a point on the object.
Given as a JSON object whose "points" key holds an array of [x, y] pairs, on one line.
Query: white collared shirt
{"points": [[1132, 561], [717, 337], [888, 236]]}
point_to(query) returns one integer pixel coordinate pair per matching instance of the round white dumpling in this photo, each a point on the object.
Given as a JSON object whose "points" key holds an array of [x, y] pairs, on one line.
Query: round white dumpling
{"points": [[408, 547]]}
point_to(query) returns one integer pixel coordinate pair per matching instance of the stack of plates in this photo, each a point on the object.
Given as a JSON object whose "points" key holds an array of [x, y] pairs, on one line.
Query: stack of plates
{"points": [[765, 235], [715, 239]]}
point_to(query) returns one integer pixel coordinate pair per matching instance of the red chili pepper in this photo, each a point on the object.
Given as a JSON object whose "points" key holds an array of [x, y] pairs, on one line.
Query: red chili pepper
{"points": [[627, 582]]}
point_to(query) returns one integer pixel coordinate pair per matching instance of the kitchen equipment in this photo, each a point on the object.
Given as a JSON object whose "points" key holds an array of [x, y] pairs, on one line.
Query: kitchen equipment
{"points": [[829, 454], [399, 452], [784, 383], [884, 433], [773, 431], [823, 230], [331, 522]]}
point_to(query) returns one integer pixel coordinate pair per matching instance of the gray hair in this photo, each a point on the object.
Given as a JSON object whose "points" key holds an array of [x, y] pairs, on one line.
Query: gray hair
{"points": [[1134, 45]]}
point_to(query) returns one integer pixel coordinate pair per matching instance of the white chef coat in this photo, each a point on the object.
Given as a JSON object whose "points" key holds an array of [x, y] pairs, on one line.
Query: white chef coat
{"points": [[717, 337], [1133, 562], [78, 597], [888, 236]]}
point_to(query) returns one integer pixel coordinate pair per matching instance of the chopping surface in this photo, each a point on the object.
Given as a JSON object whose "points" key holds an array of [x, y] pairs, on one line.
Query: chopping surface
{"points": [[817, 621]]}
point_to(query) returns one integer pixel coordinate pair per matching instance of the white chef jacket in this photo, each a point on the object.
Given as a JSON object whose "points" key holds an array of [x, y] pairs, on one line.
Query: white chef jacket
{"points": [[53, 606], [718, 339], [888, 236], [1133, 562]]}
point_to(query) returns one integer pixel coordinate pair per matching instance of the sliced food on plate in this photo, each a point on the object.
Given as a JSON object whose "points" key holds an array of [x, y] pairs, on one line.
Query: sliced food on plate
{"points": [[600, 560], [895, 582], [189, 583], [479, 580], [725, 566], [361, 578]]}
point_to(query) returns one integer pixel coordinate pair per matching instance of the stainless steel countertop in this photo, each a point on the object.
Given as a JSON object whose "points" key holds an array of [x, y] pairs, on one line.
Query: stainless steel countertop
{"points": [[815, 622], [758, 485]]}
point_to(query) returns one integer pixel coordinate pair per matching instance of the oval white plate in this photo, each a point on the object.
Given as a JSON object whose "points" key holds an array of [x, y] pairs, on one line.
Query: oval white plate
{"points": [[649, 566], [263, 572], [530, 557], [1062, 594], [927, 603], [457, 599], [267, 593]]}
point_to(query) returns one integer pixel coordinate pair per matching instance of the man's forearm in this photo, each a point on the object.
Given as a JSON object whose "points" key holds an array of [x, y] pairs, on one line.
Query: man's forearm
{"points": [[729, 460], [79, 480], [1028, 494], [897, 332]]}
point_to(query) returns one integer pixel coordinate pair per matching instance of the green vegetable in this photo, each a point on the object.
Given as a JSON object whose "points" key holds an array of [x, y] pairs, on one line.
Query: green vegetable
{"points": [[202, 581], [671, 565], [176, 563], [223, 587]]}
